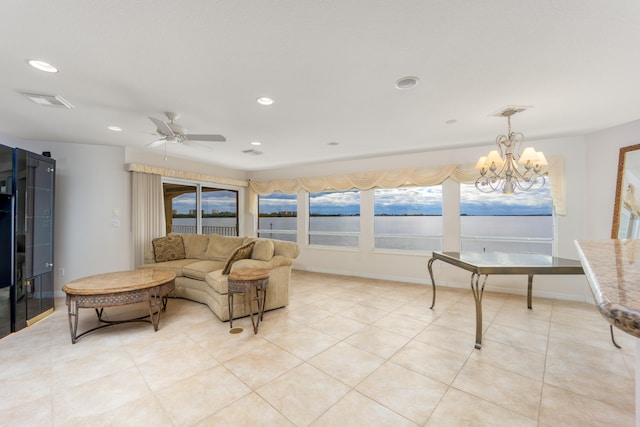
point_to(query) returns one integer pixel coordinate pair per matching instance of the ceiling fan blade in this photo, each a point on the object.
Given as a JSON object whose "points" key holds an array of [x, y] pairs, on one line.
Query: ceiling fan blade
{"points": [[197, 144], [156, 143], [214, 138], [162, 127]]}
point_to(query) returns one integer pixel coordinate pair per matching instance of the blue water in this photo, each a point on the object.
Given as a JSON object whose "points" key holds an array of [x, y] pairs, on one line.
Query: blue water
{"points": [[420, 233]]}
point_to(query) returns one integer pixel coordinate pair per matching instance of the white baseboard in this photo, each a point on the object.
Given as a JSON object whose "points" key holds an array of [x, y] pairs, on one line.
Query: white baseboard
{"points": [[427, 281]]}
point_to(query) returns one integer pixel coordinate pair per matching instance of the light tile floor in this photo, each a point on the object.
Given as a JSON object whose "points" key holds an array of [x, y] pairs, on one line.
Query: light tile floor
{"points": [[345, 352]]}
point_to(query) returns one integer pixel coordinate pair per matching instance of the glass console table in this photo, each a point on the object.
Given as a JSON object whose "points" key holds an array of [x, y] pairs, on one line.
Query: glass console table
{"points": [[483, 264]]}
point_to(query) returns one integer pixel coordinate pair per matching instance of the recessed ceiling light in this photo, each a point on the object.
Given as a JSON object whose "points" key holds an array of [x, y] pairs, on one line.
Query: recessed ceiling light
{"points": [[42, 66], [256, 143], [451, 122], [263, 100], [407, 82], [114, 128], [333, 143]]}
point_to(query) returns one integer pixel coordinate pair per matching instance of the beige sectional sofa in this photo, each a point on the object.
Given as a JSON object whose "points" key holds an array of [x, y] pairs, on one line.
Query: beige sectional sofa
{"points": [[202, 263]]}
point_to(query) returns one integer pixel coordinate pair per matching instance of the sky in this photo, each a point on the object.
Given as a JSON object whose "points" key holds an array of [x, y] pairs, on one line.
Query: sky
{"points": [[399, 201], [220, 201]]}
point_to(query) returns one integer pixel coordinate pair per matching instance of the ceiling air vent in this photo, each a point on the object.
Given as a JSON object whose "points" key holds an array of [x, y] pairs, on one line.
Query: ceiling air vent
{"points": [[48, 100]]}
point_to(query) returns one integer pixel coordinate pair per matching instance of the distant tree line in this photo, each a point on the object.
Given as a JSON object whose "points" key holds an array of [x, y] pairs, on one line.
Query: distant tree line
{"points": [[279, 214], [207, 215]]}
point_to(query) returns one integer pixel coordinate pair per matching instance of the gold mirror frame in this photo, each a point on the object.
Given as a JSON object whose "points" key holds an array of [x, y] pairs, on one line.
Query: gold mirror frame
{"points": [[619, 190]]}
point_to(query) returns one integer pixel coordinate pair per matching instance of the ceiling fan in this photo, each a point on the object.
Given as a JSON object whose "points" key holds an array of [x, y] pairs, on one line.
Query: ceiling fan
{"points": [[173, 132]]}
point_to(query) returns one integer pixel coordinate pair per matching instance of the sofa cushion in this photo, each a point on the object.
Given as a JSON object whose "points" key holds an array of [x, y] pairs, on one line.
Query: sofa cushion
{"points": [[175, 266], [262, 250], [243, 252], [168, 248], [218, 282], [286, 249], [199, 269], [195, 245], [220, 247]]}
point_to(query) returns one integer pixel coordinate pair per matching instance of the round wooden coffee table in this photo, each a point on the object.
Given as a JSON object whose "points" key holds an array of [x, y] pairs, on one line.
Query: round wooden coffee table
{"points": [[244, 281], [116, 289]]}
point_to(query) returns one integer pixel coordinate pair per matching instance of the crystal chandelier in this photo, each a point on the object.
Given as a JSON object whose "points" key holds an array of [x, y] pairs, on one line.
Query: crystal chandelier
{"points": [[500, 170]]}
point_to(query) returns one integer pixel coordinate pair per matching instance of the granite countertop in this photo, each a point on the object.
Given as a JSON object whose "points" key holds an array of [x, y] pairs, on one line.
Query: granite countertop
{"points": [[612, 268]]}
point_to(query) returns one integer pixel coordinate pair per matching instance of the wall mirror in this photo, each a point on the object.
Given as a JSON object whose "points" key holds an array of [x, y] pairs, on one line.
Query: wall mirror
{"points": [[626, 209]]}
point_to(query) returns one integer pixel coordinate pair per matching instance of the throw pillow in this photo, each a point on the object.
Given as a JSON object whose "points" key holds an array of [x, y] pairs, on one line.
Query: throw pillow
{"points": [[263, 250], [243, 252], [195, 245], [168, 248], [220, 247]]}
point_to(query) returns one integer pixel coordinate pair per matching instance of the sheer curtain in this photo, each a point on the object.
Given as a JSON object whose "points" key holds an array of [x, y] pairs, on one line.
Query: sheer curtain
{"points": [[147, 209]]}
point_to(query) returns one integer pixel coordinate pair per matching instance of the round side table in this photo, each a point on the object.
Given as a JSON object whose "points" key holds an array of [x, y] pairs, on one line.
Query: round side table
{"points": [[243, 281]]}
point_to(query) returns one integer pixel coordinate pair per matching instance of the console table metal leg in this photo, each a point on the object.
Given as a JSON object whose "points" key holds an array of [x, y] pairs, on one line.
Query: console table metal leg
{"points": [[613, 338], [477, 295], [247, 300], [230, 301], [529, 289], [72, 310], [261, 297], [433, 282], [264, 303]]}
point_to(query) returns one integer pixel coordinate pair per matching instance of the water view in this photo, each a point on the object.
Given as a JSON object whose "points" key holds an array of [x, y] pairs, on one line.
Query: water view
{"points": [[418, 233]]}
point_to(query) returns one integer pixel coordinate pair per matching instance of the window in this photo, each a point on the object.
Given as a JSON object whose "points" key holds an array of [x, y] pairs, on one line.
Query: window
{"points": [[408, 218], [334, 218], [497, 222], [219, 211], [180, 207], [277, 216], [199, 208]]}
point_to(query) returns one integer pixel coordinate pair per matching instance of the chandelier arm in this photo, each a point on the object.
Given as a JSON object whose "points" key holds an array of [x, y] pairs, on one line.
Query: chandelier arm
{"points": [[500, 143], [488, 184], [519, 139], [496, 175]]}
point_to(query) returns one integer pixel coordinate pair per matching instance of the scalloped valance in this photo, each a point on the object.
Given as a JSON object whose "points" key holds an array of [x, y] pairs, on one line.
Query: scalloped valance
{"points": [[193, 176], [425, 176]]}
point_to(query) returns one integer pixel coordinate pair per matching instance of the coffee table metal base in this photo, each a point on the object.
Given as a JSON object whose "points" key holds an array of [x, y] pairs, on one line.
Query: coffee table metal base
{"points": [[156, 297]]}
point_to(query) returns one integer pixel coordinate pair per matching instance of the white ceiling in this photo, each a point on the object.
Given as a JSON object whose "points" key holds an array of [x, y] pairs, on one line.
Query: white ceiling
{"points": [[331, 67]]}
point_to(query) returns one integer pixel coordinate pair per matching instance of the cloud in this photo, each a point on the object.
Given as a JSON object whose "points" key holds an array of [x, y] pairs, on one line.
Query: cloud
{"points": [[408, 201], [223, 201], [534, 202], [278, 202], [335, 203]]}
